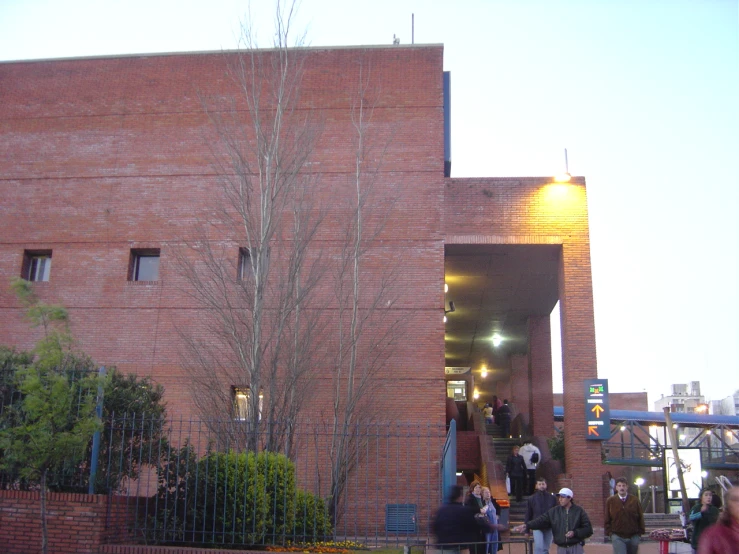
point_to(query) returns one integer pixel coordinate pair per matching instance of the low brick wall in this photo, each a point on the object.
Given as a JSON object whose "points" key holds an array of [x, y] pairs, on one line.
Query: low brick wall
{"points": [[144, 549], [77, 523]]}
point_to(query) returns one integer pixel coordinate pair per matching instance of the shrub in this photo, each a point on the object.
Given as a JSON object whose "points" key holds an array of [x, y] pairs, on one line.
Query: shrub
{"points": [[312, 522], [234, 498]]}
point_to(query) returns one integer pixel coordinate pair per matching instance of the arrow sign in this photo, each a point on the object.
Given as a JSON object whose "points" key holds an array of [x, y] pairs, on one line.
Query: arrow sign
{"points": [[597, 411]]}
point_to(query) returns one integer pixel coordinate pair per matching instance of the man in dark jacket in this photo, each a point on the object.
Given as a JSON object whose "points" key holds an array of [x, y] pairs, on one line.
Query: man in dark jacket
{"points": [[515, 467], [456, 525], [504, 419], [540, 502], [624, 519], [569, 523]]}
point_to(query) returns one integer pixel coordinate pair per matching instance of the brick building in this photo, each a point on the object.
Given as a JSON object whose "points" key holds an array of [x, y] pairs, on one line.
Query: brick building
{"points": [[107, 170]]}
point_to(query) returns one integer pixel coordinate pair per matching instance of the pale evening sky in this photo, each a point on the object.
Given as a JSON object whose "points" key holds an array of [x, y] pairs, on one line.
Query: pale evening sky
{"points": [[644, 94]]}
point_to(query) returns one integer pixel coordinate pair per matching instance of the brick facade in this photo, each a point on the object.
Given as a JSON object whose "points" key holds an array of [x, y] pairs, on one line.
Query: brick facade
{"points": [[104, 155], [77, 523], [523, 211]]}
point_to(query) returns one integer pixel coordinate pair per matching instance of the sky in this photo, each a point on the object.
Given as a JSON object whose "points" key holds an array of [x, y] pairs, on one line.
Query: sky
{"points": [[644, 94]]}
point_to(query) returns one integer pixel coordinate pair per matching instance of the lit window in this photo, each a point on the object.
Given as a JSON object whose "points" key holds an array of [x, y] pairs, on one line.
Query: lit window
{"points": [[36, 265], [245, 269], [241, 403], [144, 265]]}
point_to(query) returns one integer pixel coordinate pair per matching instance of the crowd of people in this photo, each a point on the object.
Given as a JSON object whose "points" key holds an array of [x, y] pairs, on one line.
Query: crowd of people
{"points": [[474, 522]]}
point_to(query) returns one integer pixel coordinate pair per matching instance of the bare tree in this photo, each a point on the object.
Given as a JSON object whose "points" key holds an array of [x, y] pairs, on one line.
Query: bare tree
{"points": [[368, 326], [255, 287]]}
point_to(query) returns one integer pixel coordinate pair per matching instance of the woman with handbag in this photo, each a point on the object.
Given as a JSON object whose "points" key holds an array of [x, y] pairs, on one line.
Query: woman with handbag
{"points": [[491, 509]]}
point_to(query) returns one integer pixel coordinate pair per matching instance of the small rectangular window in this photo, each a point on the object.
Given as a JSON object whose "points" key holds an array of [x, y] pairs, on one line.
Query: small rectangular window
{"points": [[241, 403], [144, 265], [245, 269], [36, 265]]}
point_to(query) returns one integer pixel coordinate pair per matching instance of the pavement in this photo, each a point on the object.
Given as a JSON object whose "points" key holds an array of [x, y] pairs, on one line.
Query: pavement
{"points": [[599, 548]]}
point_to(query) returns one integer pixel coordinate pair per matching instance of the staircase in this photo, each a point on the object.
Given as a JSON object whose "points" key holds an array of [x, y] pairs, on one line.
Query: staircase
{"points": [[503, 448]]}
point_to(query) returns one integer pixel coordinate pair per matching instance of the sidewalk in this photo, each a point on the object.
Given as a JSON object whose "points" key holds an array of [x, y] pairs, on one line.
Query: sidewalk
{"points": [[601, 548]]}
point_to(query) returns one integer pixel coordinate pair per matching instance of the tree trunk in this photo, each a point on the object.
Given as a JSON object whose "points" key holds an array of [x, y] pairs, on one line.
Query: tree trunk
{"points": [[44, 529]]}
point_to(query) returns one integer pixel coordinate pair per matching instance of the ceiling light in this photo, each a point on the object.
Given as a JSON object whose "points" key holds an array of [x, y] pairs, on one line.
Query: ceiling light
{"points": [[497, 340], [484, 372], [476, 394]]}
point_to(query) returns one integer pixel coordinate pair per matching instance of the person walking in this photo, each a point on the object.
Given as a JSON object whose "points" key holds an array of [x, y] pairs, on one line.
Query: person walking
{"points": [[487, 411], [624, 519], [504, 419], [723, 538], [702, 515], [569, 523], [532, 456], [540, 502], [456, 525], [515, 467]]}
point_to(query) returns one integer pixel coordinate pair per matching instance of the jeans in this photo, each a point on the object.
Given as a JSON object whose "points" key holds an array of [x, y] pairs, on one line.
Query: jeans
{"points": [[542, 541], [576, 549], [492, 542], [625, 546]]}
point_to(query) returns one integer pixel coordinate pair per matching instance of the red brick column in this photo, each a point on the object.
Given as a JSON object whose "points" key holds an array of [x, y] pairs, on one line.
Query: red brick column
{"points": [[541, 405], [579, 363], [520, 396]]}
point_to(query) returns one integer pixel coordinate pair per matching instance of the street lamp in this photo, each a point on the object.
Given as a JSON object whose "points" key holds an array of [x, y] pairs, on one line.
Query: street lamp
{"points": [[639, 482]]}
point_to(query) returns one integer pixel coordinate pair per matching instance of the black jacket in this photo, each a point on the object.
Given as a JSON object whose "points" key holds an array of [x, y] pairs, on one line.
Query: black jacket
{"points": [[456, 524], [515, 466], [538, 503], [560, 521]]}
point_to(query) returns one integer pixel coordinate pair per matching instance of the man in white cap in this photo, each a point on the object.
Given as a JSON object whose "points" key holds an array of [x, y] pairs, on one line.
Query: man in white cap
{"points": [[569, 523]]}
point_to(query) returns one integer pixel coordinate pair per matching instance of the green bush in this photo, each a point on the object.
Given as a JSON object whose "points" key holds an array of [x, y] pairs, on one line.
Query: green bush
{"points": [[234, 498], [280, 485], [312, 522]]}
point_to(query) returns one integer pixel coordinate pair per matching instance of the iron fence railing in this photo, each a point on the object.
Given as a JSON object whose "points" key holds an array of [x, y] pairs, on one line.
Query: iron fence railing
{"points": [[228, 482]]}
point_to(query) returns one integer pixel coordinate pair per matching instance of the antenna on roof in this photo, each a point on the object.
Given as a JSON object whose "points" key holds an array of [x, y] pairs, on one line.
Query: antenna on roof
{"points": [[413, 28], [396, 40], [564, 177]]}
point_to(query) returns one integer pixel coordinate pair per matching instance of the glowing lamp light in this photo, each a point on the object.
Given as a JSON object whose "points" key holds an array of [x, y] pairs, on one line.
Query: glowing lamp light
{"points": [[497, 340], [446, 288], [623, 427], [704, 474], [562, 178], [484, 372], [444, 319], [476, 394], [639, 482]]}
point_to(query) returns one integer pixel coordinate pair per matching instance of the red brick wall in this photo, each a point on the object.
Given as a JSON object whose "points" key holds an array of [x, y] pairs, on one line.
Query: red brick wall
{"points": [[519, 395], [101, 155], [77, 523], [540, 374]]}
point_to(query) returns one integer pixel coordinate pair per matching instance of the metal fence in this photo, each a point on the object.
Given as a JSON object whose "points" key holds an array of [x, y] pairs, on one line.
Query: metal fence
{"points": [[226, 482], [234, 482]]}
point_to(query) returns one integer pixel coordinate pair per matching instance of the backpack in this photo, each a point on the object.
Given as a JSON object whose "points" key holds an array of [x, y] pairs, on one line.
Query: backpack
{"points": [[535, 458]]}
